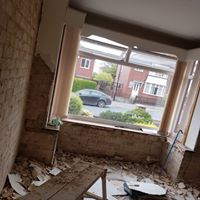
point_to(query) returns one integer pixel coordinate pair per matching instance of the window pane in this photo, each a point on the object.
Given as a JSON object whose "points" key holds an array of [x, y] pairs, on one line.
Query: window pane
{"points": [[102, 49], [121, 96], [83, 62], [147, 87], [115, 94], [87, 63], [152, 61]]}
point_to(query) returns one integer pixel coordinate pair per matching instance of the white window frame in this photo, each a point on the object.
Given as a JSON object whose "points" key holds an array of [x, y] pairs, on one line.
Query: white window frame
{"points": [[124, 62], [85, 65], [135, 85], [148, 91]]}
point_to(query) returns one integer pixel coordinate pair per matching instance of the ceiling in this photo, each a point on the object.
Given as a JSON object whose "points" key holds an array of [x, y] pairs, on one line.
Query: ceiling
{"points": [[178, 19]]}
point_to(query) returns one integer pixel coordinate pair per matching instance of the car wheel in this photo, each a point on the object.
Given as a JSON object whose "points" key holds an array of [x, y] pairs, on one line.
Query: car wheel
{"points": [[101, 104]]}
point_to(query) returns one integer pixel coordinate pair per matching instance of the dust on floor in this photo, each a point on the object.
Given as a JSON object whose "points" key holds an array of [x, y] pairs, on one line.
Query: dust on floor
{"points": [[30, 173]]}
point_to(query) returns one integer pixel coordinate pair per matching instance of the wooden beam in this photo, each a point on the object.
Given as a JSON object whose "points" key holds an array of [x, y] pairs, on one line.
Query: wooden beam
{"points": [[172, 97]]}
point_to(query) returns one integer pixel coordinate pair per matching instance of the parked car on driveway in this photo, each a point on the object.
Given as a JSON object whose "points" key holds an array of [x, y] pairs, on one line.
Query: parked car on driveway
{"points": [[94, 97]]}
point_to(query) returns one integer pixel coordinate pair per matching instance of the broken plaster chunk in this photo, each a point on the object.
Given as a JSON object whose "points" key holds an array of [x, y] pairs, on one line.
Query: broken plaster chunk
{"points": [[15, 181], [179, 197], [147, 180], [147, 188], [37, 173], [38, 183], [195, 192], [181, 185], [55, 171], [189, 196]]}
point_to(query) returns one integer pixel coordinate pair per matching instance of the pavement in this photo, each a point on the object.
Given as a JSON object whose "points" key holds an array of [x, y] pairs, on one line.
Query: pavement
{"points": [[114, 107]]}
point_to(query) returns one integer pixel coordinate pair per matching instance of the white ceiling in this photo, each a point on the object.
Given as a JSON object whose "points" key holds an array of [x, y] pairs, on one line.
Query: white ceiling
{"points": [[176, 17]]}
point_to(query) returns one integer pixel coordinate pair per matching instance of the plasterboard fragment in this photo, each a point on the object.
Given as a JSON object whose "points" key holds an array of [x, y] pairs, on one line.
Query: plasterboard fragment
{"points": [[147, 188], [15, 181]]}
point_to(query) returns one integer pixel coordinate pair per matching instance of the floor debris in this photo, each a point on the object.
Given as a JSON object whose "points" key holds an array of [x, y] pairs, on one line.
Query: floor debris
{"points": [[33, 174], [15, 181], [97, 190], [147, 188], [55, 171], [181, 185], [140, 189]]}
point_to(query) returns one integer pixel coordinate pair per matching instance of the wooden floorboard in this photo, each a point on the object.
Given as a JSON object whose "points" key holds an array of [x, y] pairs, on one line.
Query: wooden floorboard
{"points": [[75, 189], [56, 184]]}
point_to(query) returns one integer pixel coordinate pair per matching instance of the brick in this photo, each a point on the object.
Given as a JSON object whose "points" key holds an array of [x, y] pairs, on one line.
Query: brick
{"points": [[8, 52], [98, 141], [16, 50]]}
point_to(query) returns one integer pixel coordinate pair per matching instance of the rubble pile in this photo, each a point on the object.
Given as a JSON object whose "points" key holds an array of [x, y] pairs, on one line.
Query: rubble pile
{"points": [[27, 174]]}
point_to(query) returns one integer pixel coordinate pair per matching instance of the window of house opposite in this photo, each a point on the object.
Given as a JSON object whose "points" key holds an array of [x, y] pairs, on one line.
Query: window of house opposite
{"points": [[135, 85], [85, 63], [153, 89]]}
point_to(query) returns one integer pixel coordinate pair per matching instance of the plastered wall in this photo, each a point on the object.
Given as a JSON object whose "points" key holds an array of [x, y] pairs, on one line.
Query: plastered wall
{"points": [[18, 28], [50, 32]]}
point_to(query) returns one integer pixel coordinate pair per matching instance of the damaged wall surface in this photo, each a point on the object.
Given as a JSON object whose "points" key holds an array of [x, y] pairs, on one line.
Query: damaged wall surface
{"points": [[44, 63], [183, 164], [74, 137], [174, 161], [18, 28], [36, 141], [100, 141], [189, 170]]}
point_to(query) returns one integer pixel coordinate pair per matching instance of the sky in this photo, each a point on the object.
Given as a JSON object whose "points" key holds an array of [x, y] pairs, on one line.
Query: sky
{"points": [[97, 65]]}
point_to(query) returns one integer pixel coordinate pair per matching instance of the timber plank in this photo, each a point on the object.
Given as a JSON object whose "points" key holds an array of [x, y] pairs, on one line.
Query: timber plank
{"points": [[78, 186], [56, 184]]}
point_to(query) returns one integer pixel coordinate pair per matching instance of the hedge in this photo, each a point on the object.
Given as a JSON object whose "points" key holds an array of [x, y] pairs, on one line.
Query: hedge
{"points": [[137, 115], [80, 84], [75, 105]]}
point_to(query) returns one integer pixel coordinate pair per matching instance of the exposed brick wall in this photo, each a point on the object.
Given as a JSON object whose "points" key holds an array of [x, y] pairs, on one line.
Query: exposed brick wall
{"points": [[173, 163], [82, 72], [190, 170], [18, 29], [183, 164], [100, 141], [41, 80], [37, 142]]}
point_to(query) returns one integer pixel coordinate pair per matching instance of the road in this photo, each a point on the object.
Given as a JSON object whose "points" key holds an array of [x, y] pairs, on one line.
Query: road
{"points": [[155, 112], [114, 107]]}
